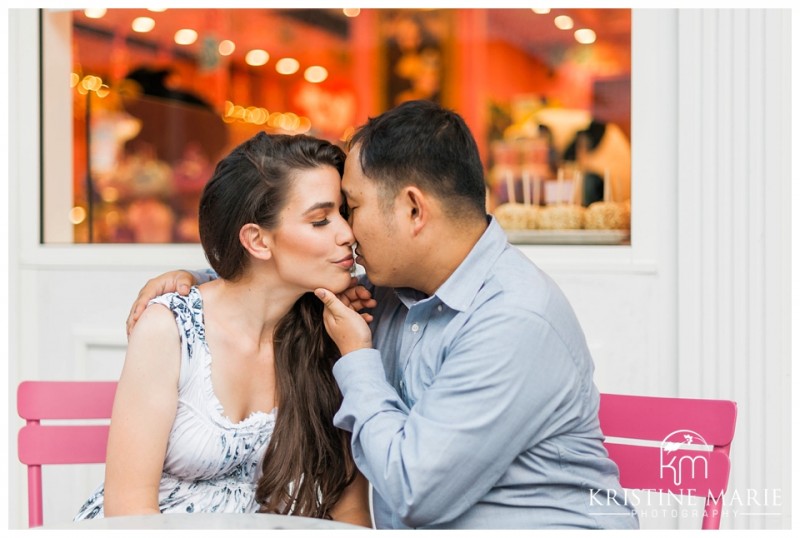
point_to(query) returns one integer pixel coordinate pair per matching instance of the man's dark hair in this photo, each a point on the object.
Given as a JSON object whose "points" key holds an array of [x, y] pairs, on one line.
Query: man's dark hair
{"points": [[423, 144]]}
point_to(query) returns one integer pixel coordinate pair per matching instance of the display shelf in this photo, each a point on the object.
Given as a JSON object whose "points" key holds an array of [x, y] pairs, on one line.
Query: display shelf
{"points": [[569, 237]]}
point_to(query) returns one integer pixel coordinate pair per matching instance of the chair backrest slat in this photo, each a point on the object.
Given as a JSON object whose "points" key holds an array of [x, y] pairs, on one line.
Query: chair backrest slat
{"points": [[61, 400], [654, 418], [49, 445], [675, 445], [687, 472], [45, 443]]}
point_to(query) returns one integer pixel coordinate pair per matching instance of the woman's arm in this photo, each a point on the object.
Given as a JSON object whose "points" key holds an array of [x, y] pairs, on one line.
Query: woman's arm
{"points": [[144, 411], [353, 505]]}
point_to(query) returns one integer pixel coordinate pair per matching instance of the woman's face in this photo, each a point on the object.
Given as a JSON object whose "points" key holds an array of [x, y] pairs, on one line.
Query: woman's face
{"points": [[312, 242]]}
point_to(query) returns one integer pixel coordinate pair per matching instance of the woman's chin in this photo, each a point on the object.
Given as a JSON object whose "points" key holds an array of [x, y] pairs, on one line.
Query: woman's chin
{"points": [[336, 285], [341, 283]]}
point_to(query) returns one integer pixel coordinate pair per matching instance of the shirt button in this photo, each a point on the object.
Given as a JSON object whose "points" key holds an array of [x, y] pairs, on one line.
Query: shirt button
{"points": [[439, 308], [415, 328]]}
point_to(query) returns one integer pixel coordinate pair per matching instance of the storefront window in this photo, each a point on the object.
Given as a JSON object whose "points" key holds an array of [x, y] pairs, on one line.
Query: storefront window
{"points": [[155, 98]]}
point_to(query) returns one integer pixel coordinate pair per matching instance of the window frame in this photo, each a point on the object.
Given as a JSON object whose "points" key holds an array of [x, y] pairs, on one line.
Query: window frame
{"points": [[650, 143]]}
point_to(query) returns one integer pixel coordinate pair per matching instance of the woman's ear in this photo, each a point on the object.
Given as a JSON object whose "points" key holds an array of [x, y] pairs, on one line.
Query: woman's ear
{"points": [[256, 241]]}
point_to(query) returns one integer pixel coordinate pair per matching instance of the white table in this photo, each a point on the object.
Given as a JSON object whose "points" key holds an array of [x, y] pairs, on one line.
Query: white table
{"points": [[204, 520]]}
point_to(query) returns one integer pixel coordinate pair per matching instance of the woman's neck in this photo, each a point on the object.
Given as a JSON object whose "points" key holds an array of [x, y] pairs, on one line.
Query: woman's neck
{"points": [[254, 305]]}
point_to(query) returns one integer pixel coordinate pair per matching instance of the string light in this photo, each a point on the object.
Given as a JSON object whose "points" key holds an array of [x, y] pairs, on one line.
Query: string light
{"points": [[95, 12], [287, 66], [563, 22], [77, 215], [286, 121], [256, 57], [226, 47], [143, 24], [185, 36], [316, 74], [585, 36]]}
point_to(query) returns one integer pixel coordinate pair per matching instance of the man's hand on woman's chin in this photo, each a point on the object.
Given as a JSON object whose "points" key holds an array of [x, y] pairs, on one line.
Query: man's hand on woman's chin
{"points": [[347, 328]]}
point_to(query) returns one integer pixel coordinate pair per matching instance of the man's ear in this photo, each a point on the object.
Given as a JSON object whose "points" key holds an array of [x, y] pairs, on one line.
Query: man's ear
{"points": [[256, 240], [415, 207]]}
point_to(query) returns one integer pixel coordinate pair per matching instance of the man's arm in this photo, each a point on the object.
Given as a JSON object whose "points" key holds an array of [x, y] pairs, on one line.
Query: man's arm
{"points": [[357, 296], [502, 383], [180, 281]]}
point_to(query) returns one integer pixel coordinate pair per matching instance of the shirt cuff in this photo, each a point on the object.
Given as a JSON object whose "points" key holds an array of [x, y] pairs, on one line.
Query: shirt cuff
{"points": [[357, 367]]}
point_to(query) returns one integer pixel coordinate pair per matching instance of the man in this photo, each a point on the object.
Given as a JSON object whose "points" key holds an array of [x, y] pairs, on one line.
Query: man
{"points": [[470, 395]]}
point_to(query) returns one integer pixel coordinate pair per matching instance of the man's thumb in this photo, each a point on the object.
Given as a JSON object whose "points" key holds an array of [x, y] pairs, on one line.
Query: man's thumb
{"points": [[325, 296]]}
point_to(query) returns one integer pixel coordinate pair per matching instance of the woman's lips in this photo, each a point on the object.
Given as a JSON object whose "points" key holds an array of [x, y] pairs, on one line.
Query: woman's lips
{"points": [[346, 262]]}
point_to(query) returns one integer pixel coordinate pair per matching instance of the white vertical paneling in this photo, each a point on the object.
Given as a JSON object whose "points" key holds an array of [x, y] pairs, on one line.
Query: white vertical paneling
{"points": [[22, 127], [654, 167], [733, 268], [743, 37], [751, 315], [776, 278], [748, 380], [708, 181], [691, 145], [726, 183]]}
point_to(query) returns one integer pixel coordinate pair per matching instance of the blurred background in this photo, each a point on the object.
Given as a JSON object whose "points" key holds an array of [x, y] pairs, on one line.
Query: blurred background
{"points": [[158, 96]]}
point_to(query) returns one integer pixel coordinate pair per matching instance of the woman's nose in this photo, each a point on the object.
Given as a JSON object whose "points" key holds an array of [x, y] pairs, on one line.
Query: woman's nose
{"points": [[345, 233]]}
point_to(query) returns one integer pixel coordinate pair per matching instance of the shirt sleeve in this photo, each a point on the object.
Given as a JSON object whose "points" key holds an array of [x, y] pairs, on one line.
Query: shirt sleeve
{"points": [[201, 276], [505, 381]]}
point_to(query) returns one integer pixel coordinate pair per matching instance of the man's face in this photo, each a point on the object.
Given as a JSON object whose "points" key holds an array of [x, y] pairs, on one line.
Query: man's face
{"points": [[377, 247]]}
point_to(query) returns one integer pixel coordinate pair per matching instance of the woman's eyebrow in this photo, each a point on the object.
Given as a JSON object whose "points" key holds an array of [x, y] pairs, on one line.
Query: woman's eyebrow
{"points": [[319, 205]]}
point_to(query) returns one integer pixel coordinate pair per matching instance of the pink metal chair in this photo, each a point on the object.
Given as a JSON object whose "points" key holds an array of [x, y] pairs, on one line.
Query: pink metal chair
{"points": [[43, 444], [688, 453]]}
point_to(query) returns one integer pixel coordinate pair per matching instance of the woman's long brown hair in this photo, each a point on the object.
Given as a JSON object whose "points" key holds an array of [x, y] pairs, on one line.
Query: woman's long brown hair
{"points": [[304, 468], [308, 462]]}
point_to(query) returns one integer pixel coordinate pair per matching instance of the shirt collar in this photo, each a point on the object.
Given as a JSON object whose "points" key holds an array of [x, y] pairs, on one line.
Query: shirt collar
{"points": [[459, 290]]}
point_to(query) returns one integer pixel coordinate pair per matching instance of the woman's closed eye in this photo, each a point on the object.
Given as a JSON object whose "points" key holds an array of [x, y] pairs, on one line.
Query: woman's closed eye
{"points": [[322, 222]]}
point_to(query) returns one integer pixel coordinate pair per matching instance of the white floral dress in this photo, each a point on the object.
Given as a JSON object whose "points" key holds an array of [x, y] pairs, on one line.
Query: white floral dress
{"points": [[212, 464]]}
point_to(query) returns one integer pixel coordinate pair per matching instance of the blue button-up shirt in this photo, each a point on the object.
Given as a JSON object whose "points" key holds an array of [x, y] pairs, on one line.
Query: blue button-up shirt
{"points": [[477, 408]]}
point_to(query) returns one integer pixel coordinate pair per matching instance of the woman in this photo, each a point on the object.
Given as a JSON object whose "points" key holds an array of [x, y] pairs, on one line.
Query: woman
{"points": [[245, 376]]}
